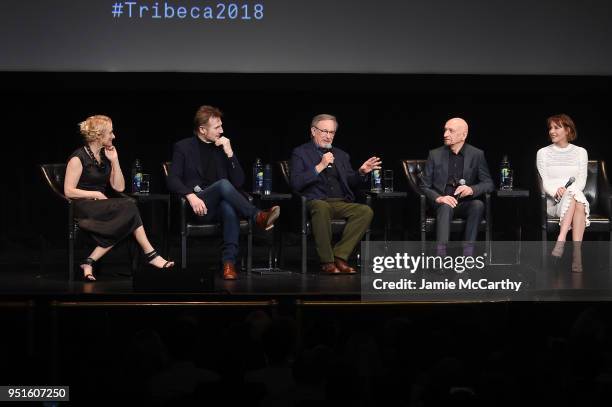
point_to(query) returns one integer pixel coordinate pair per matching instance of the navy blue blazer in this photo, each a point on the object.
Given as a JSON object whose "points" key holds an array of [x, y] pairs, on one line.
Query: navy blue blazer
{"points": [[306, 181], [475, 172], [186, 169]]}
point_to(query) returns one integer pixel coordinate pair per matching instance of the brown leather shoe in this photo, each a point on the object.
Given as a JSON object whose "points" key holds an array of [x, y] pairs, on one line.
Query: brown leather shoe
{"points": [[229, 271], [344, 267], [329, 268], [265, 219]]}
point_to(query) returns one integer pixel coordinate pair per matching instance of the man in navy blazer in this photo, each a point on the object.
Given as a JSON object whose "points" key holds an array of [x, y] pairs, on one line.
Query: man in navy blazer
{"points": [[323, 174], [454, 175], [207, 173]]}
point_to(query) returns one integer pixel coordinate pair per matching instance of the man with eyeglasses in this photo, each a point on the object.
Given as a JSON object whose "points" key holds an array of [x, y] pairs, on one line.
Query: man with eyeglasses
{"points": [[323, 174], [454, 175], [207, 173]]}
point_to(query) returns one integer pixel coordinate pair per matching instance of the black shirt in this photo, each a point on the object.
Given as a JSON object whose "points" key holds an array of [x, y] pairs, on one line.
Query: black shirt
{"points": [[332, 185], [94, 177], [455, 171], [209, 167]]}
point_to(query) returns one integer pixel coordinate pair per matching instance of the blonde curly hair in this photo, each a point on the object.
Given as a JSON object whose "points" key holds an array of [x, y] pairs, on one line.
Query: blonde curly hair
{"points": [[93, 127]]}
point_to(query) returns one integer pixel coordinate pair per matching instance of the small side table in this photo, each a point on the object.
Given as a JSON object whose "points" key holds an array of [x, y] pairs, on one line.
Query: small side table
{"points": [[386, 198], [513, 194], [273, 253]]}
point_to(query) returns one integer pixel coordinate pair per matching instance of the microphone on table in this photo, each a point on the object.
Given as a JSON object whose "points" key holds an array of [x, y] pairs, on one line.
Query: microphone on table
{"points": [[567, 184], [460, 182], [328, 149]]}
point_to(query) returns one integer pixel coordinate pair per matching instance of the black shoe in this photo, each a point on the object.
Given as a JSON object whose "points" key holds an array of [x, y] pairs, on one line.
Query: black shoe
{"points": [[88, 262], [151, 255]]}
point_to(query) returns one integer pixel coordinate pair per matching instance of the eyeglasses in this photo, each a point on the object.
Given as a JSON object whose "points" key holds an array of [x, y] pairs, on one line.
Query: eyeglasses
{"points": [[328, 132]]}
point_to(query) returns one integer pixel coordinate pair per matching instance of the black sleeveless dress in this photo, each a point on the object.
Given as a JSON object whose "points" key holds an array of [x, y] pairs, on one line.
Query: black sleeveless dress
{"points": [[107, 220]]}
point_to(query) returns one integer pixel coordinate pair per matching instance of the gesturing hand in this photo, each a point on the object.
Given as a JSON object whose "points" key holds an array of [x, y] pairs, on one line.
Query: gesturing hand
{"points": [[372, 163]]}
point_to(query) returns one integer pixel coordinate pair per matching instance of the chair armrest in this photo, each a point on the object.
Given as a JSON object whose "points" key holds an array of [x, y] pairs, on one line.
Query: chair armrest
{"points": [[605, 197], [124, 195]]}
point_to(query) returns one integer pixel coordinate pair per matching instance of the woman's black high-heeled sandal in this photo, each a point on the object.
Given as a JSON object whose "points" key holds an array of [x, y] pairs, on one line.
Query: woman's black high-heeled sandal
{"points": [[89, 262], [151, 255]]}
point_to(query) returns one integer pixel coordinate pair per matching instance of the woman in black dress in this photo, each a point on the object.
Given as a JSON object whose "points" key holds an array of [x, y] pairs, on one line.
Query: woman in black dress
{"points": [[89, 170]]}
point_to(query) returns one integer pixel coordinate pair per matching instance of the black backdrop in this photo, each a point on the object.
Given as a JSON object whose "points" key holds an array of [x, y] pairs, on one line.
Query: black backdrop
{"points": [[394, 116]]}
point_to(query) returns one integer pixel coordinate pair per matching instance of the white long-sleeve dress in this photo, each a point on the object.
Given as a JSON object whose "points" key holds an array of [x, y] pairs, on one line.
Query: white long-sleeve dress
{"points": [[556, 165]]}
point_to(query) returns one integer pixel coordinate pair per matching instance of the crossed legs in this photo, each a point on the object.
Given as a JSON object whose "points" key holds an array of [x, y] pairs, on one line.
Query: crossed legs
{"points": [[575, 216], [143, 241]]}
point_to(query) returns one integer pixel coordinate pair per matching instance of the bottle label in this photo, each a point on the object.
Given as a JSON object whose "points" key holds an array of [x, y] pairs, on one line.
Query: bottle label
{"points": [[136, 182], [376, 180]]}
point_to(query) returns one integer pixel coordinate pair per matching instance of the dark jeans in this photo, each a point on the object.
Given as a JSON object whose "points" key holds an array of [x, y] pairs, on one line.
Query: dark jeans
{"points": [[471, 210], [227, 205]]}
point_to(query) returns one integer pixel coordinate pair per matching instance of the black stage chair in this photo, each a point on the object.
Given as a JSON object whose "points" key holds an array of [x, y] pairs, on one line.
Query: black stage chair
{"points": [[413, 170], [189, 229], [597, 193], [337, 224], [54, 176]]}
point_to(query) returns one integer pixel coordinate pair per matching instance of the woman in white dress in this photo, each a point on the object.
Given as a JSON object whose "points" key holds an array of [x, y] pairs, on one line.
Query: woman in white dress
{"points": [[557, 163]]}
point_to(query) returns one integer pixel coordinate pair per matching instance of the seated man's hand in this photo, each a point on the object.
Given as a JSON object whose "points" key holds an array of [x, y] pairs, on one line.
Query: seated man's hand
{"points": [[372, 163], [448, 200], [326, 159], [198, 206], [227, 146], [463, 191]]}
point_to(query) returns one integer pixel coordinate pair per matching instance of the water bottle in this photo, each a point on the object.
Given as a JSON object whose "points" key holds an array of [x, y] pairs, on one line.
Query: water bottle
{"points": [[376, 185], [505, 172], [267, 179], [258, 176], [136, 176]]}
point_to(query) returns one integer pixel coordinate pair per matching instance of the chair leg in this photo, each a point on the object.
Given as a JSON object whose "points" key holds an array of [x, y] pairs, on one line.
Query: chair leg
{"points": [[488, 240], [366, 256], [134, 255], [423, 240], [610, 252], [70, 259], [544, 256], [304, 253], [183, 251], [249, 251], [43, 254]]}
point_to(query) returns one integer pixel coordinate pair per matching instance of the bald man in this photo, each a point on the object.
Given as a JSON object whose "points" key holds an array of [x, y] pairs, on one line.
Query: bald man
{"points": [[442, 179]]}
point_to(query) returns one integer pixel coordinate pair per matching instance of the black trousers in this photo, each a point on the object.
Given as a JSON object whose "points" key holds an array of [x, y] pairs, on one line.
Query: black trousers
{"points": [[471, 210]]}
